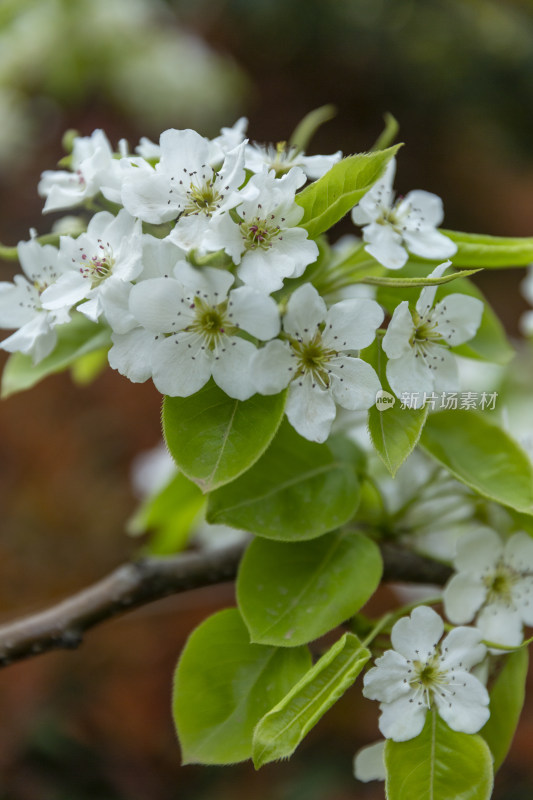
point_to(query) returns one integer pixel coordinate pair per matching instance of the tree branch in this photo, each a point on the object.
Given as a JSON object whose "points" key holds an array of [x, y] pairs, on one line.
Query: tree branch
{"points": [[138, 583]]}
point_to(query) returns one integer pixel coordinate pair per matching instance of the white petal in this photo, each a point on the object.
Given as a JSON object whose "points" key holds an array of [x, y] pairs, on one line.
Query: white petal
{"points": [[424, 207], [131, 354], [354, 383], [18, 303], [70, 288], [255, 312], [231, 368], [465, 705], [213, 284], [182, 151], [36, 338], [305, 311], [388, 679], [352, 324], [478, 551], [146, 196], [403, 719], [444, 369], [369, 764], [265, 271], [396, 341], [427, 295], [463, 595], [429, 243], [310, 411], [114, 298], [518, 552], [500, 624], [179, 370], [462, 648], [385, 245], [160, 305], [458, 317], [410, 374], [522, 598], [272, 367], [415, 637]]}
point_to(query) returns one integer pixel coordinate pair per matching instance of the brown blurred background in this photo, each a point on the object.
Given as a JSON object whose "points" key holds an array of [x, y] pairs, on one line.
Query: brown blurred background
{"points": [[458, 75]]}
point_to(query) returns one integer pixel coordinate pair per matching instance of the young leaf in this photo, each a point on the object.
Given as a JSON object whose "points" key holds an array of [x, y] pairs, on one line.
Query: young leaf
{"points": [[394, 430], [506, 701], [224, 685], [279, 732], [297, 490], [74, 340], [328, 199], [214, 438], [169, 515], [481, 455], [414, 283], [306, 129], [439, 764], [291, 593], [480, 250]]}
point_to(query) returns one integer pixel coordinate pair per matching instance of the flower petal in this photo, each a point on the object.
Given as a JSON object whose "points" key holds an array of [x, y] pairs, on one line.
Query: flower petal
{"points": [[500, 624], [388, 679], [369, 764], [305, 311], [254, 311], [462, 648], [423, 207], [464, 703], [458, 317], [403, 719], [131, 354], [416, 637], [351, 324], [463, 596], [518, 552], [310, 411], [354, 383], [385, 245], [478, 551], [272, 367], [231, 368], [396, 341]]}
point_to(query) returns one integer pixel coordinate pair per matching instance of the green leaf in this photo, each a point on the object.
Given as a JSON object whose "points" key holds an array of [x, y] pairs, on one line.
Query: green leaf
{"points": [[506, 701], [394, 430], [297, 490], [291, 593], [439, 764], [86, 368], [74, 340], [413, 283], [214, 438], [279, 732], [327, 200], [306, 129], [482, 456], [224, 685], [389, 133], [490, 342], [169, 516], [480, 250]]}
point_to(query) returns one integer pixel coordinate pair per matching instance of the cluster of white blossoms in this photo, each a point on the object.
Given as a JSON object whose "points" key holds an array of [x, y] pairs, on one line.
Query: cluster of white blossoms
{"points": [[189, 258]]}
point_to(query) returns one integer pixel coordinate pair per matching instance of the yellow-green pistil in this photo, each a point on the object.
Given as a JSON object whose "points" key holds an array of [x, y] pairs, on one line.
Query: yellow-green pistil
{"points": [[203, 198], [259, 233], [313, 358], [499, 584], [211, 322], [100, 266]]}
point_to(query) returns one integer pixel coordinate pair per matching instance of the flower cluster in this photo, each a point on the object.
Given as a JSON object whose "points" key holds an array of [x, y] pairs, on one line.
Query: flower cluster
{"points": [[197, 259]]}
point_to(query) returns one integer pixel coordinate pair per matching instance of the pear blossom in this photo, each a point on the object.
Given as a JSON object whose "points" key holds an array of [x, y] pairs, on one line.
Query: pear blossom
{"points": [[493, 584], [417, 342], [266, 243], [393, 229], [185, 184], [21, 302], [419, 675], [92, 159], [283, 156], [109, 252], [316, 360], [189, 331]]}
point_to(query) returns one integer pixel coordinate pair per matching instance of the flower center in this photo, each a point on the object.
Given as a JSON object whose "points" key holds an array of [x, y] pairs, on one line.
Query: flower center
{"points": [[313, 359], [211, 322], [499, 584], [258, 233], [202, 198], [100, 266]]}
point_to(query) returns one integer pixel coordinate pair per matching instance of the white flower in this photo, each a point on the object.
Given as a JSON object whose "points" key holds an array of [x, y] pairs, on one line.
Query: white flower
{"points": [[21, 302], [109, 252], [317, 360], [185, 184], [266, 243], [282, 157], [409, 224], [495, 582], [418, 675], [92, 159], [417, 342], [190, 332]]}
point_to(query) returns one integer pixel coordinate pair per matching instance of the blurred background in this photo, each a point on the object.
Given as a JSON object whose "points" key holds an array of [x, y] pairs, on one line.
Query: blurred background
{"points": [[458, 75]]}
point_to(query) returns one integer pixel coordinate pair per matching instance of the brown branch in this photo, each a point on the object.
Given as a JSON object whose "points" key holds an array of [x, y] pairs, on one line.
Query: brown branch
{"points": [[138, 583]]}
